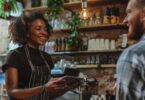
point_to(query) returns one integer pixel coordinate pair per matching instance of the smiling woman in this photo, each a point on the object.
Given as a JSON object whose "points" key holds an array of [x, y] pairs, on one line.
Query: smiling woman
{"points": [[28, 25], [38, 34], [27, 68]]}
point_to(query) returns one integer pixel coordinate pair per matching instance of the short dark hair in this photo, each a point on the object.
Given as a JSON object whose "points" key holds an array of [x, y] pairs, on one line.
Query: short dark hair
{"points": [[19, 27]]}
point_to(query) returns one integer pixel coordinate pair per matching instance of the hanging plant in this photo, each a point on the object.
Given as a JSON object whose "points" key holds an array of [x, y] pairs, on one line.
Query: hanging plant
{"points": [[54, 9], [73, 23], [6, 6]]}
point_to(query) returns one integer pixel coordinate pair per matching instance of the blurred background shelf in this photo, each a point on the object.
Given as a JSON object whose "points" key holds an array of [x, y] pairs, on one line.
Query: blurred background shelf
{"points": [[94, 28], [96, 66], [41, 8], [85, 52], [77, 4], [92, 3]]}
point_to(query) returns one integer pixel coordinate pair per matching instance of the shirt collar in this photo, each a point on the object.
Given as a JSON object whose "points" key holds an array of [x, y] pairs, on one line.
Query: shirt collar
{"points": [[142, 38]]}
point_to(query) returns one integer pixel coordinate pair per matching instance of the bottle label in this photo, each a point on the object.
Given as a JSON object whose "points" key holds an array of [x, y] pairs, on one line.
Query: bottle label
{"points": [[106, 19], [113, 19]]}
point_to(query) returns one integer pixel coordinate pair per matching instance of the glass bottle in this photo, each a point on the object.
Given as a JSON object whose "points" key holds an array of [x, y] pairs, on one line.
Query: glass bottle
{"points": [[62, 44], [91, 21], [98, 19], [58, 45], [85, 42], [107, 16], [113, 15], [117, 15], [94, 19], [66, 45]]}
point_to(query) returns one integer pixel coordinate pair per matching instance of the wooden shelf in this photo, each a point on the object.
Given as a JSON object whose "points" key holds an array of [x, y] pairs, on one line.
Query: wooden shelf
{"points": [[103, 26], [78, 52], [92, 3], [108, 66], [95, 28], [85, 52], [96, 66], [41, 8], [87, 66], [77, 5]]}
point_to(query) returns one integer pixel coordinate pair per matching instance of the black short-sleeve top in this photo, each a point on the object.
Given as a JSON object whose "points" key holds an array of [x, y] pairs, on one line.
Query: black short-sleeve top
{"points": [[26, 77]]}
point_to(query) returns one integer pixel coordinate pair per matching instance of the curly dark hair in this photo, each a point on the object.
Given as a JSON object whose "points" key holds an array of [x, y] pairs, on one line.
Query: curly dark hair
{"points": [[19, 27]]}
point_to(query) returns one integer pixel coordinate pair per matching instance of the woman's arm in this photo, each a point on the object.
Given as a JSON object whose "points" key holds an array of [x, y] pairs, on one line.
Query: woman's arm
{"points": [[12, 83], [55, 87]]}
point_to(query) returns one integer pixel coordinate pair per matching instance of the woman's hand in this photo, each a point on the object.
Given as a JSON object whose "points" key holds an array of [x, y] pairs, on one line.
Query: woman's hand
{"points": [[58, 86]]}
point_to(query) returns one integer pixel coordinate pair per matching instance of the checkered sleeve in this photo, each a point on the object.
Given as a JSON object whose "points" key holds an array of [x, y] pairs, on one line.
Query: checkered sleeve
{"points": [[129, 76]]}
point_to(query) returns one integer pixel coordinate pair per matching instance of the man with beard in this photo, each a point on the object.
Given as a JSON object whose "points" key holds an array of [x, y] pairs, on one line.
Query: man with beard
{"points": [[131, 64]]}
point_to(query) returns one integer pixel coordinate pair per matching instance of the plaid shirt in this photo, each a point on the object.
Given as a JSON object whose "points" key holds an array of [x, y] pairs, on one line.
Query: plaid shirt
{"points": [[131, 73]]}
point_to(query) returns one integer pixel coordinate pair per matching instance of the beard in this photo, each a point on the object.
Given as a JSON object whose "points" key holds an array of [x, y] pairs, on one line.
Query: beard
{"points": [[137, 32]]}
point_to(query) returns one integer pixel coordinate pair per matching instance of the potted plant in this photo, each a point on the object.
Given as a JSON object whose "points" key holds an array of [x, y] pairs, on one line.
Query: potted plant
{"points": [[73, 23], [6, 6], [54, 9]]}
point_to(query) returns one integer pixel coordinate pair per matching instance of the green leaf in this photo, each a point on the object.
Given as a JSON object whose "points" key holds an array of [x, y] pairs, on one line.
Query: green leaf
{"points": [[54, 8]]}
